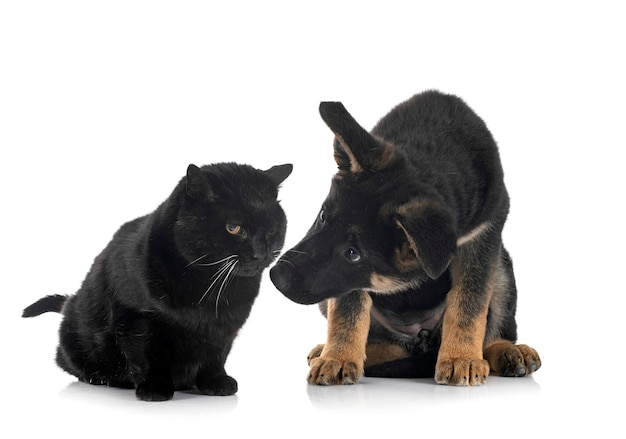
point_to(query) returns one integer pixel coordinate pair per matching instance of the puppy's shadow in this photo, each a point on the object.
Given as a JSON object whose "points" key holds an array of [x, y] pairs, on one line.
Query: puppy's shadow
{"points": [[398, 394]]}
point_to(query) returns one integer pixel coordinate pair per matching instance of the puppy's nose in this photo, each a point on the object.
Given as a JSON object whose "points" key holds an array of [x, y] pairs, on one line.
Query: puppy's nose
{"points": [[282, 276]]}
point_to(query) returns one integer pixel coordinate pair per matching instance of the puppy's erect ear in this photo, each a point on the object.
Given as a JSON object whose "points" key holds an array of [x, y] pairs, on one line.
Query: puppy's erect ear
{"points": [[279, 173], [197, 184], [430, 236], [356, 150]]}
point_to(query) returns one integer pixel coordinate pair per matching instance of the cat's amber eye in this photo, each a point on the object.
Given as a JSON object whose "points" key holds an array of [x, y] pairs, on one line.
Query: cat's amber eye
{"points": [[233, 229]]}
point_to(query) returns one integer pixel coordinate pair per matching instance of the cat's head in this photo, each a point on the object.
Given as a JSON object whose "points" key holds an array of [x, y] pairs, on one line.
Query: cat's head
{"points": [[230, 212]]}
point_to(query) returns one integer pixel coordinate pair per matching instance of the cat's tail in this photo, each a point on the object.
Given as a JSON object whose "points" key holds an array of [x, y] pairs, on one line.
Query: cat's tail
{"points": [[53, 303]]}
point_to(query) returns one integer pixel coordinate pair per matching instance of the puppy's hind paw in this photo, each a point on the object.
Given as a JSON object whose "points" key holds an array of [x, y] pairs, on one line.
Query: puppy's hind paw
{"points": [[511, 360]]}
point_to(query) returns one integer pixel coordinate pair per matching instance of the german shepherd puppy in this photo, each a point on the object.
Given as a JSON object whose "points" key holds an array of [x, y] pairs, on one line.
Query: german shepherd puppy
{"points": [[406, 256]]}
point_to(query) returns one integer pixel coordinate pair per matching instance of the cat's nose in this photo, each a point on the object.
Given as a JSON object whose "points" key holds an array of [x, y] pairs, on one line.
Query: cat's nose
{"points": [[259, 256], [259, 250]]}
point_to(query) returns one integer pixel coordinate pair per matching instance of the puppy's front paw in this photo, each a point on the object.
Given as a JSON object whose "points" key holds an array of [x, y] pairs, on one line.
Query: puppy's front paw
{"points": [[326, 371], [462, 371], [315, 352]]}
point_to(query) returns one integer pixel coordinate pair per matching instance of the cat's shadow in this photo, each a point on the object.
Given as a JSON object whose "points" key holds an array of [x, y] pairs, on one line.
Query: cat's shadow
{"points": [[125, 398]]}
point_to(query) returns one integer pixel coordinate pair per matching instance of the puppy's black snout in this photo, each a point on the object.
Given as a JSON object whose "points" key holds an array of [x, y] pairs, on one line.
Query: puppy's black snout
{"points": [[282, 276]]}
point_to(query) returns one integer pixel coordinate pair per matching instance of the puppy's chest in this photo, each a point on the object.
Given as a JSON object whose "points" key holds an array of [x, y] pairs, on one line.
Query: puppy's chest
{"points": [[407, 314], [407, 325]]}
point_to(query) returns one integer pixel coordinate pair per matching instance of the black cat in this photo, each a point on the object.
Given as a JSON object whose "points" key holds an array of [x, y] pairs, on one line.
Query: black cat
{"points": [[162, 304]]}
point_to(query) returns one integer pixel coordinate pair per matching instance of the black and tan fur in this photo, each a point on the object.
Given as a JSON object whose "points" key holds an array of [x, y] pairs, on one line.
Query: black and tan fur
{"points": [[406, 256]]}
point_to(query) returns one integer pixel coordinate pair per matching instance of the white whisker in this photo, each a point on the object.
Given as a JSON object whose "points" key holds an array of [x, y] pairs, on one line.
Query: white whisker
{"points": [[217, 262], [216, 277], [296, 251], [194, 261], [225, 282]]}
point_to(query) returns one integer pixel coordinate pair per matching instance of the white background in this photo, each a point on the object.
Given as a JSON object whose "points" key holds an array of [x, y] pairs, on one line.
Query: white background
{"points": [[104, 104]]}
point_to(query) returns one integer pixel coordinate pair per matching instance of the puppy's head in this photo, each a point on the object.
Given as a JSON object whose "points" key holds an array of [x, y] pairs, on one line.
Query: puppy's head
{"points": [[380, 229]]}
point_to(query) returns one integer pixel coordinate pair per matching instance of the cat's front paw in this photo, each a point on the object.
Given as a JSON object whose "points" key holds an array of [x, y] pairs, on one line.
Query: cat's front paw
{"points": [[220, 385], [148, 391]]}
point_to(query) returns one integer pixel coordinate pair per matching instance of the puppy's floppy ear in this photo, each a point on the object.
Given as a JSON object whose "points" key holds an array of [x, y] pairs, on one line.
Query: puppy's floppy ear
{"points": [[356, 150], [279, 173], [197, 183], [430, 233]]}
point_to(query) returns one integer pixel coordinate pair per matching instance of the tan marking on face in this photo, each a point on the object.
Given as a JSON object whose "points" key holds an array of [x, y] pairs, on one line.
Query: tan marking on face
{"points": [[386, 284], [474, 234]]}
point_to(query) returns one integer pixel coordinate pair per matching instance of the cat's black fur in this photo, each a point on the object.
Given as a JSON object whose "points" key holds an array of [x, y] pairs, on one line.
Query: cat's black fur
{"points": [[162, 304]]}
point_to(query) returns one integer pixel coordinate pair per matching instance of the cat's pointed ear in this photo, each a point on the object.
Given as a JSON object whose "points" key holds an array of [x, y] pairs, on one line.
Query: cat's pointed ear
{"points": [[279, 173], [356, 150], [197, 183]]}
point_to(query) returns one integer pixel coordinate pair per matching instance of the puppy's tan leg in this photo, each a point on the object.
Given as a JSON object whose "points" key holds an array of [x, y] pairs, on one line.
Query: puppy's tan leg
{"points": [[508, 359], [341, 360], [460, 361]]}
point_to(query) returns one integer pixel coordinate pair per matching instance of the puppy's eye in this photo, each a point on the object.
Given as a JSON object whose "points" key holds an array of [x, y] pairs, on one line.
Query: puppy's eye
{"points": [[322, 216], [233, 229], [353, 255]]}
